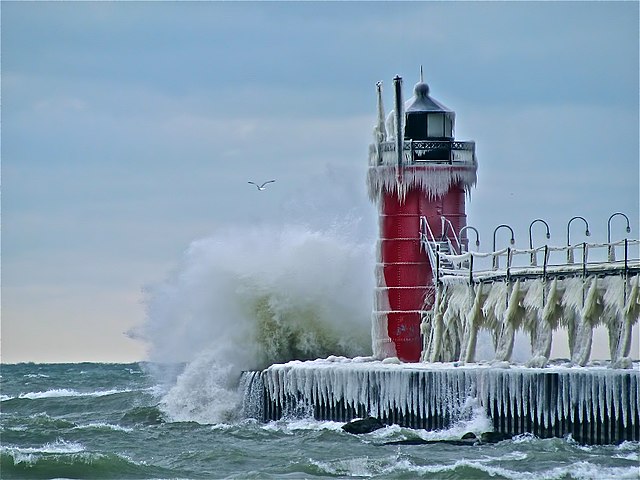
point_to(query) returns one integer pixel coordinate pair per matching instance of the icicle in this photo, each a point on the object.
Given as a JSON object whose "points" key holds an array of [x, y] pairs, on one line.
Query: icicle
{"points": [[510, 322], [541, 403], [545, 315], [494, 308], [578, 381], [595, 380], [526, 396], [472, 322], [631, 314], [572, 388], [434, 348], [422, 399], [588, 400], [432, 394], [559, 407], [634, 396], [566, 399], [587, 319], [553, 407], [612, 393], [433, 180], [516, 395], [600, 396], [624, 401], [504, 392]]}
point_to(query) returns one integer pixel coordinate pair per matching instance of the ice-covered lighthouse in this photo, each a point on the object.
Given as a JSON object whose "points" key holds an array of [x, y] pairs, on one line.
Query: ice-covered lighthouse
{"points": [[416, 169]]}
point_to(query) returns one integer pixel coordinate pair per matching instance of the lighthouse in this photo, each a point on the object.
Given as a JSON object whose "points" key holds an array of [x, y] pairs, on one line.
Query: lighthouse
{"points": [[418, 177]]}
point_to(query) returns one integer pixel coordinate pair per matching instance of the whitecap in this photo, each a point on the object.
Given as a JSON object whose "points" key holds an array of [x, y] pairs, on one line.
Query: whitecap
{"points": [[107, 426], [59, 446], [301, 424], [65, 392]]}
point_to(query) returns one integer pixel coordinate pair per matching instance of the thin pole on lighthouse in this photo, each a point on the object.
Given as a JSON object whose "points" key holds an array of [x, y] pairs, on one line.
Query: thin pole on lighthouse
{"points": [[382, 131], [397, 83]]}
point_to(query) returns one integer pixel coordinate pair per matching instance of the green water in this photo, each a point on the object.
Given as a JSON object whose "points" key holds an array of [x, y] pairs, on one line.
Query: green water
{"points": [[103, 421]]}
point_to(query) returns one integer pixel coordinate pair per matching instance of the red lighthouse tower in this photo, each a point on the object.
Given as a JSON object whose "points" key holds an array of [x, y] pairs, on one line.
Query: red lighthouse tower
{"points": [[416, 169]]}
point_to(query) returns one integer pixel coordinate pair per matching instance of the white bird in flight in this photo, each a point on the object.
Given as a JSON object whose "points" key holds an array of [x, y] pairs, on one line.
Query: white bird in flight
{"points": [[261, 187]]}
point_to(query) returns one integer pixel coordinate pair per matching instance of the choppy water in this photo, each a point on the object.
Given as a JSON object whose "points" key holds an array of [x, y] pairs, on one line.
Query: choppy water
{"points": [[105, 421]]}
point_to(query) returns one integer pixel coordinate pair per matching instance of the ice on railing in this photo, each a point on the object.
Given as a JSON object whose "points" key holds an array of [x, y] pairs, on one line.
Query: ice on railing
{"points": [[539, 307], [524, 261], [545, 396]]}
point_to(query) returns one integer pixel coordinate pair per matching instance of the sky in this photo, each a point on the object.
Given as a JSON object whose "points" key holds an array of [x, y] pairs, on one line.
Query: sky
{"points": [[130, 129]]}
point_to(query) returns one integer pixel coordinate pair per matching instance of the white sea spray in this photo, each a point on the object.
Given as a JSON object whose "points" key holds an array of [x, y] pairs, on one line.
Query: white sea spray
{"points": [[245, 298]]}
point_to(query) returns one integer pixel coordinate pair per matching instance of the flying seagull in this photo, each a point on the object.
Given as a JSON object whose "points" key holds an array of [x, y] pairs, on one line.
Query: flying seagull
{"points": [[261, 187]]}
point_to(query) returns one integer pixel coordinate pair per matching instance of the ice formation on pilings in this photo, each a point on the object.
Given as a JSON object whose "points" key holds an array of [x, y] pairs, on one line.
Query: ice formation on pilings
{"points": [[539, 307], [599, 405], [434, 180]]}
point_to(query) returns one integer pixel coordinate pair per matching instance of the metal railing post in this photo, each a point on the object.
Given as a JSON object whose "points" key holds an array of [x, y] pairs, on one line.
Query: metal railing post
{"points": [[437, 264]]}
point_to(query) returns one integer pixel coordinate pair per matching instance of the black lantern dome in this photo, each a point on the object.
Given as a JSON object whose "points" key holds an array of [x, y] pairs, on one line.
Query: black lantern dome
{"points": [[426, 118]]}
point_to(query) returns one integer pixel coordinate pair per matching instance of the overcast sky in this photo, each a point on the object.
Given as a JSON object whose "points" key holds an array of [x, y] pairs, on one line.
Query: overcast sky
{"points": [[131, 129]]}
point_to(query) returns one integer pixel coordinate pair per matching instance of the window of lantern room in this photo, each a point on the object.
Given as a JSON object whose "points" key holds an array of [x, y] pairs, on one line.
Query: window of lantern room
{"points": [[416, 127], [435, 125]]}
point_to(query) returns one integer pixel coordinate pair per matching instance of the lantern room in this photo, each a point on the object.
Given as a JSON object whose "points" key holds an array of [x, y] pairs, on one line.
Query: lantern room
{"points": [[427, 119]]}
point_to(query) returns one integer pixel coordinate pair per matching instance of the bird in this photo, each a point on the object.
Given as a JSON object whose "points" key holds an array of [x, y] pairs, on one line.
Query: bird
{"points": [[261, 187]]}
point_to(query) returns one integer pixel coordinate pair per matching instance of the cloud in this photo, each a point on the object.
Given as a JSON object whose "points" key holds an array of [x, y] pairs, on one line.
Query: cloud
{"points": [[129, 129]]}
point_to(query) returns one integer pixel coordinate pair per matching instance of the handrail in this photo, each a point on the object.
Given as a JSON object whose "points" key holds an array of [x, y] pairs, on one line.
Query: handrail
{"points": [[444, 219], [583, 267], [426, 237]]}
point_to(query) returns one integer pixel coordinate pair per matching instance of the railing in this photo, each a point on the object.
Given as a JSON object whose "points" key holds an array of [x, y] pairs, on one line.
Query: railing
{"points": [[593, 258], [447, 227], [433, 245], [423, 151]]}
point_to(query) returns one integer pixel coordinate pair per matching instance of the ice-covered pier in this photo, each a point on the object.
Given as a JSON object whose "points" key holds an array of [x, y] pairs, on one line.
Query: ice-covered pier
{"points": [[595, 405], [594, 402]]}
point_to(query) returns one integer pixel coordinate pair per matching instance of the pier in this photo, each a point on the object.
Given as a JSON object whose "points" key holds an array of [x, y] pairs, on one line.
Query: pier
{"points": [[595, 405], [537, 290]]}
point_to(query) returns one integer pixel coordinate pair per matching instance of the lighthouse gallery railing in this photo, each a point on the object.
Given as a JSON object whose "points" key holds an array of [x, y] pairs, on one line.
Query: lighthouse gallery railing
{"points": [[419, 151]]}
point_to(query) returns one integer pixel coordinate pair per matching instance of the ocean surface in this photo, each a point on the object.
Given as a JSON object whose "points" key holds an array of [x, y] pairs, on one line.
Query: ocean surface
{"points": [[92, 420]]}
